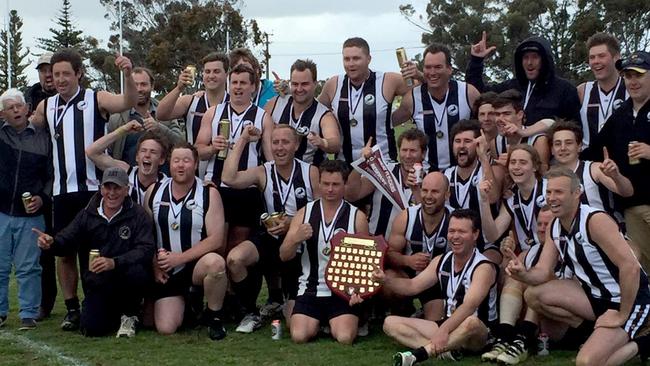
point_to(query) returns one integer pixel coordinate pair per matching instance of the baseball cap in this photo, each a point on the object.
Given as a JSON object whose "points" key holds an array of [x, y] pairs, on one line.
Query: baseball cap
{"points": [[115, 175], [639, 61], [44, 59]]}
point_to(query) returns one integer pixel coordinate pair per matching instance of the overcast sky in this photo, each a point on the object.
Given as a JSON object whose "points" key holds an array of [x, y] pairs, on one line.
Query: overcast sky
{"points": [[300, 29]]}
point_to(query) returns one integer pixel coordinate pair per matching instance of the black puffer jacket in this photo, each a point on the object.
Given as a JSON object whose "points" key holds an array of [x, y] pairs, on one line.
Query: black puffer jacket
{"points": [[552, 97], [127, 238]]}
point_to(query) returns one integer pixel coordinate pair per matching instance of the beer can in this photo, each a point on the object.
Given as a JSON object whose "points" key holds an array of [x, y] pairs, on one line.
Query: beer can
{"points": [[27, 199], [401, 60], [418, 172], [192, 70], [276, 329], [276, 217], [632, 160], [162, 252], [266, 220], [224, 131], [542, 344], [94, 253]]}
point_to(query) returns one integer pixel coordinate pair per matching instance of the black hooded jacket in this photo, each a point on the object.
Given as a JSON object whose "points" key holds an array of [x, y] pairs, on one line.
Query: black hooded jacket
{"points": [[552, 96], [127, 238]]}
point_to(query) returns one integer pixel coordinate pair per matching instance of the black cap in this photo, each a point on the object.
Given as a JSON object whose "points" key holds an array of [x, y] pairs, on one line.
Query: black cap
{"points": [[639, 61]]}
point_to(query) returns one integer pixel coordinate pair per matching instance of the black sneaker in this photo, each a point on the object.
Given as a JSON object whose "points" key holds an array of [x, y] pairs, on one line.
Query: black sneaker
{"points": [[27, 324], [71, 320], [216, 331], [3, 320]]}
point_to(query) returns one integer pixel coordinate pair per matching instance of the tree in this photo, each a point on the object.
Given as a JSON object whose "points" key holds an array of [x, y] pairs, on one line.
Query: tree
{"points": [[67, 36], [167, 35], [12, 43], [567, 24]]}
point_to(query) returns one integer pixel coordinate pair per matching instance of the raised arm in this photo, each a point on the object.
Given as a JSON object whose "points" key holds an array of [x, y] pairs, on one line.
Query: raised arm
{"points": [[97, 150], [231, 175], [267, 131], [608, 174], [405, 110], [110, 103], [492, 228], [173, 105]]}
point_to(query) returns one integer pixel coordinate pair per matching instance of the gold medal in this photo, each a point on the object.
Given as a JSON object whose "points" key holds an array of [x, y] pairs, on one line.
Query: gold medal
{"points": [[326, 251], [353, 122], [175, 225]]}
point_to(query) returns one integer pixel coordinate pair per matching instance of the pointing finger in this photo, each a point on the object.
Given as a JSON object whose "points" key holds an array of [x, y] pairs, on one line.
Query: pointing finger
{"points": [[40, 233], [369, 143], [484, 36], [605, 153], [511, 255], [276, 76]]}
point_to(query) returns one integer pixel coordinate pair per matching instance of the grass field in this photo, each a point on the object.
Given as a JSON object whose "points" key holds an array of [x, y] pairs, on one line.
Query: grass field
{"points": [[48, 345]]}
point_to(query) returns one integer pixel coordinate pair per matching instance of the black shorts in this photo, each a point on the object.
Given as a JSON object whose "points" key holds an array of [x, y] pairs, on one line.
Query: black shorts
{"points": [[242, 207], [268, 249], [178, 284], [323, 308], [636, 321], [66, 206]]}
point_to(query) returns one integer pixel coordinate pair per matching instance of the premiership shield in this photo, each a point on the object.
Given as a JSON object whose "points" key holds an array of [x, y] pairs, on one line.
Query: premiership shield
{"points": [[353, 258]]}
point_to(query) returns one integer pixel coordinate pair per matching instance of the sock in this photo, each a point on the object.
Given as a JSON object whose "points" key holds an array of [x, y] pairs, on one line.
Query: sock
{"points": [[420, 354], [527, 331], [510, 305], [643, 344], [275, 295], [72, 304], [212, 314], [505, 332], [246, 293]]}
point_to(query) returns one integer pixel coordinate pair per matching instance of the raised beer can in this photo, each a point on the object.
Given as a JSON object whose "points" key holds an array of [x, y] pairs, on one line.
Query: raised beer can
{"points": [[418, 173], [401, 60], [276, 217], [27, 199], [224, 130], [192, 70], [276, 330], [94, 253]]}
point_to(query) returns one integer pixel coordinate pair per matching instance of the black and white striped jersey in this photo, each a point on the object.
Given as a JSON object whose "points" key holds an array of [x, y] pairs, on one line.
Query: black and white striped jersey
{"points": [[456, 284], [310, 118], [180, 223], [597, 274], [316, 250], [252, 154], [136, 190], [363, 113], [291, 195], [194, 115], [436, 119], [419, 240], [74, 125]]}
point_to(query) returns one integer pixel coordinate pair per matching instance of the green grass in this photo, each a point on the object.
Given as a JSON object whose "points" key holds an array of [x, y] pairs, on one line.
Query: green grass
{"points": [[194, 347]]}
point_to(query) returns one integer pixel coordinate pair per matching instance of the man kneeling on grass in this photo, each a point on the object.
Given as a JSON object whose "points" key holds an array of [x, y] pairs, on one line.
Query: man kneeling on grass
{"points": [[468, 281], [113, 280]]}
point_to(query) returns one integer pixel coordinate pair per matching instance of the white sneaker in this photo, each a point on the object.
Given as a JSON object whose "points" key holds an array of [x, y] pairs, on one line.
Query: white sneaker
{"points": [[127, 327], [403, 359], [362, 331], [270, 310], [249, 324]]}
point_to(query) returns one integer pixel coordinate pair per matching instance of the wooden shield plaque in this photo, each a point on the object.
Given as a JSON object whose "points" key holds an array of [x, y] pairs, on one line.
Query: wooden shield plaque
{"points": [[353, 258]]}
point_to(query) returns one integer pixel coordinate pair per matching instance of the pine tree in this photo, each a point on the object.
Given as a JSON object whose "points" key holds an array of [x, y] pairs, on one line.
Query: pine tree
{"points": [[12, 43], [67, 35]]}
